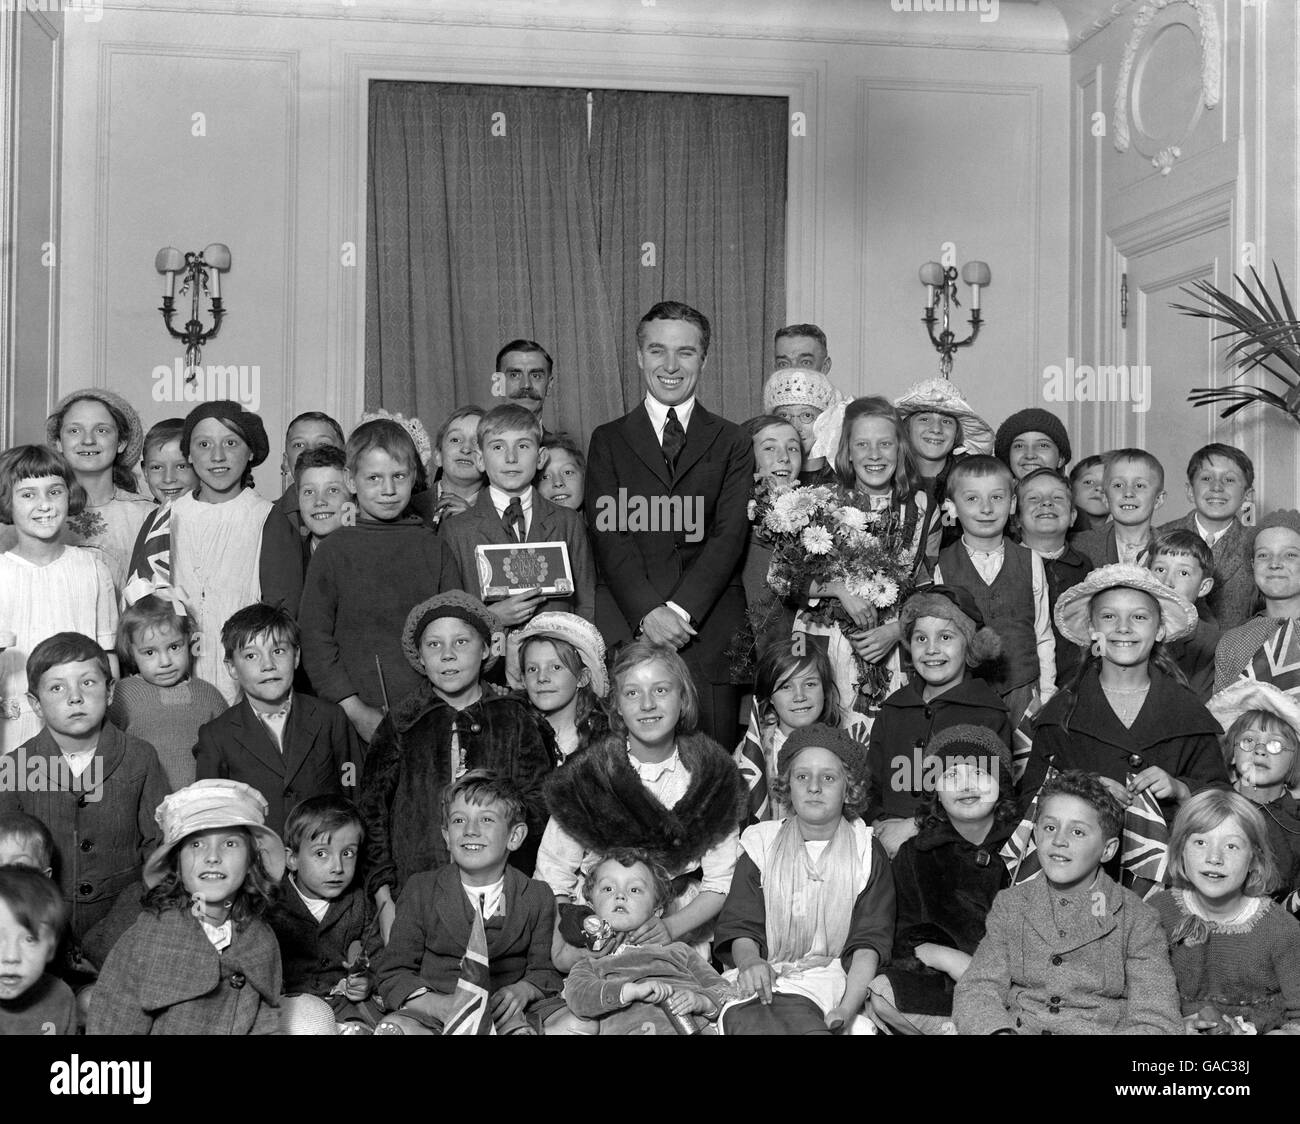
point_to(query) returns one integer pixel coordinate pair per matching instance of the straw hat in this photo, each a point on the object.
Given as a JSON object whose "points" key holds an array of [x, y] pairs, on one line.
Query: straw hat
{"points": [[1177, 615], [1251, 694], [134, 435], [211, 805], [588, 643], [939, 396]]}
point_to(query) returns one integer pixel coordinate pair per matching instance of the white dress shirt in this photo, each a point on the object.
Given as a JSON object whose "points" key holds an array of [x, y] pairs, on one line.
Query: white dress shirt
{"points": [[501, 500]]}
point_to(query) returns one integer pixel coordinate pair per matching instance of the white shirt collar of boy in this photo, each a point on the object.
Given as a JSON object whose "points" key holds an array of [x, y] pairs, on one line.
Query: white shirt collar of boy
{"points": [[659, 414], [1210, 537], [488, 899], [987, 563], [501, 500], [275, 722], [79, 761], [317, 907]]}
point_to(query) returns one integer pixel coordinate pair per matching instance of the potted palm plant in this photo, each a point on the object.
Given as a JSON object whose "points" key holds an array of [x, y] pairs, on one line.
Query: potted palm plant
{"points": [[1266, 338]]}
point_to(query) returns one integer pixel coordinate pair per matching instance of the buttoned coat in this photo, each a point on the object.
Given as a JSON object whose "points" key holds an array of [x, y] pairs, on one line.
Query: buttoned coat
{"points": [[102, 832], [313, 952], [165, 977], [480, 524], [321, 752], [1106, 972], [697, 567]]}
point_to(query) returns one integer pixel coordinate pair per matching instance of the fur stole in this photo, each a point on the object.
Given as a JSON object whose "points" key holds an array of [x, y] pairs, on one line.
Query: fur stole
{"points": [[410, 709], [600, 801]]}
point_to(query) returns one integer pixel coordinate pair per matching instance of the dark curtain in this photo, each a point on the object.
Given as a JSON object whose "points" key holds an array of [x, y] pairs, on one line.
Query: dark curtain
{"points": [[702, 177], [477, 238]]}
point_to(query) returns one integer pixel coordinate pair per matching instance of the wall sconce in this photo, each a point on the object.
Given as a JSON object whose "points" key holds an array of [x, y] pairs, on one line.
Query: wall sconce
{"points": [[943, 282], [199, 272]]}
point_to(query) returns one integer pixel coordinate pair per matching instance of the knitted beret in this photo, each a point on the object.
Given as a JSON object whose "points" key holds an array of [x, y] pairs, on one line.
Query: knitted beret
{"points": [[235, 418], [1283, 517], [838, 741], [454, 603], [134, 435], [956, 604], [969, 740], [1031, 420]]}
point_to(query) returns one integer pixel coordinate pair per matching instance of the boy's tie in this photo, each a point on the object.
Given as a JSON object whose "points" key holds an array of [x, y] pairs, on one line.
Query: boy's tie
{"points": [[513, 520], [674, 439]]}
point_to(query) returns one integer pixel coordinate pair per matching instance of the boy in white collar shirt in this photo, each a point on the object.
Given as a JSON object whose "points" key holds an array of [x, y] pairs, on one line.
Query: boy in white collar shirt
{"points": [[510, 509], [1135, 489], [285, 744], [482, 824], [1007, 581]]}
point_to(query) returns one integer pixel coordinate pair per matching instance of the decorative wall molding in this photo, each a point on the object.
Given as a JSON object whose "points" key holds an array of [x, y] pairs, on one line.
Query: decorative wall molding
{"points": [[109, 51], [352, 69], [1211, 49], [923, 37]]}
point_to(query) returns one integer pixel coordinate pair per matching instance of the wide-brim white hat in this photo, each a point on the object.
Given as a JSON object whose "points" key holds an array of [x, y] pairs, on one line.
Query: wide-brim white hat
{"points": [[211, 805], [940, 396], [1177, 614], [1251, 694], [582, 634]]}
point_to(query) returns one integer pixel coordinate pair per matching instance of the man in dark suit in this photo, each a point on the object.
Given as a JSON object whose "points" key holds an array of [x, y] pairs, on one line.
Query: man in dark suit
{"points": [[667, 487]]}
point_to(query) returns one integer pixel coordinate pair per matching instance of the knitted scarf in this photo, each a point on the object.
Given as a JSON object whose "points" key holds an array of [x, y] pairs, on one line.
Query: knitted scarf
{"points": [[809, 905]]}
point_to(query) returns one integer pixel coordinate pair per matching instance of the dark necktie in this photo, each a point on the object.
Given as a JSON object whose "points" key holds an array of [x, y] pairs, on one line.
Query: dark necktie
{"points": [[674, 439], [513, 520]]}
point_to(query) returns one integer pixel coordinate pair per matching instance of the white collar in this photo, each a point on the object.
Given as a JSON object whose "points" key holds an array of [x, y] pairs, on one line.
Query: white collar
{"points": [[501, 500], [651, 771], [659, 413]]}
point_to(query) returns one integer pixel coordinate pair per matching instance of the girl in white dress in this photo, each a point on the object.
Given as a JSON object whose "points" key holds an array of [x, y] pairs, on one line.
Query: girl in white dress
{"points": [[228, 546], [45, 586]]}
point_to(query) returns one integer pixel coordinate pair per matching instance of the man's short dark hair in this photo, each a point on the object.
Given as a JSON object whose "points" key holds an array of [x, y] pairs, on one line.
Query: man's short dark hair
{"points": [[809, 330], [524, 345], [675, 310], [1202, 456]]}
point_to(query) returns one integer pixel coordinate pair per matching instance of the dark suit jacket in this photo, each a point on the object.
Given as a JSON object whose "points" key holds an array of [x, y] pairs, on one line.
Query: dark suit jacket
{"points": [[432, 929], [462, 532], [1233, 596], [319, 742], [640, 569], [313, 952]]}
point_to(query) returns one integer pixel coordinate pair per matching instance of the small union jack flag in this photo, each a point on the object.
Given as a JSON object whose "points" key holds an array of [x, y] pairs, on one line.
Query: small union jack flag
{"points": [[471, 1014]]}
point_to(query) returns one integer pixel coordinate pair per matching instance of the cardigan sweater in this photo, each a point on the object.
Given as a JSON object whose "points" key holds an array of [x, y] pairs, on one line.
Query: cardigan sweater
{"points": [[168, 718], [361, 584], [1251, 969], [165, 977], [1092, 962], [906, 721], [1172, 730]]}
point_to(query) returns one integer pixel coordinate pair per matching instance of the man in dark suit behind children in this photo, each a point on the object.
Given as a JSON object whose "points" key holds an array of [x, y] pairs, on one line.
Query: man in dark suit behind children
{"points": [[667, 486]]}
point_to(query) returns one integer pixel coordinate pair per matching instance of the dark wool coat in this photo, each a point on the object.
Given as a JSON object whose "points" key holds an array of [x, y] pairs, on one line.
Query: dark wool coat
{"points": [[639, 571], [101, 837], [165, 977], [313, 952], [1282, 818], [599, 800], [481, 525], [409, 765], [1062, 573], [945, 886], [1195, 658], [432, 929], [1172, 730], [321, 757], [905, 720], [1233, 597], [1106, 973]]}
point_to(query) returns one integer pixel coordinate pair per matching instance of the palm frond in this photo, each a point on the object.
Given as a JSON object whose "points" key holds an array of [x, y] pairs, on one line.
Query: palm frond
{"points": [[1265, 337]]}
